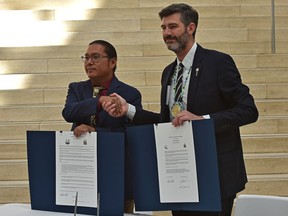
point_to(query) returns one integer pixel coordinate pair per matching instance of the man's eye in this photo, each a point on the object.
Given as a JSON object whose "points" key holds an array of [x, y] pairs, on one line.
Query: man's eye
{"points": [[95, 57]]}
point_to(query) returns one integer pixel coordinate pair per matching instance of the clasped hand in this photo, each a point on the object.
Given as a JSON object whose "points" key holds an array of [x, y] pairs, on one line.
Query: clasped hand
{"points": [[111, 104], [114, 105]]}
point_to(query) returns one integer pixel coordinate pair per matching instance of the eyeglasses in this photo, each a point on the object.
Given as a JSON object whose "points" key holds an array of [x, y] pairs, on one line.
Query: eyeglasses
{"points": [[94, 58]]}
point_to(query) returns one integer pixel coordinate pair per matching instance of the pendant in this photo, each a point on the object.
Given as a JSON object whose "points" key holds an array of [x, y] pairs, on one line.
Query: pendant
{"points": [[177, 108]]}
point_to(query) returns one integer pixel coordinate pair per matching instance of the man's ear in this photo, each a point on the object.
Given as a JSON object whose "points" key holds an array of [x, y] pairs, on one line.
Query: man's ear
{"points": [[113, 62], [191, 28]]}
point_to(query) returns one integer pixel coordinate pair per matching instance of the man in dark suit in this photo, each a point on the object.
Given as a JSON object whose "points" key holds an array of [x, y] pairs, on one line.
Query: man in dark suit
{"points": [[82, 107], [211, 89]]}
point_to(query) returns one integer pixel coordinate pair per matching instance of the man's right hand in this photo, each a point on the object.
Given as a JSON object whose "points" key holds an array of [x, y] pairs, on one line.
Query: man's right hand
{"points": [[82, 129], [117, 107]]}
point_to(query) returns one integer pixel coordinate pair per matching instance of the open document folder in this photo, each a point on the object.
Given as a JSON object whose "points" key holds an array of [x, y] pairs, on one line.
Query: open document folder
{"points": [[141, 140], [42, 173]]}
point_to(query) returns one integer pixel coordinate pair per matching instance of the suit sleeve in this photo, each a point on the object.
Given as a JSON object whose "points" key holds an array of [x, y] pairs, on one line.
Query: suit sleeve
{"points": [[240, 108], [145, 117], [77, 108]]}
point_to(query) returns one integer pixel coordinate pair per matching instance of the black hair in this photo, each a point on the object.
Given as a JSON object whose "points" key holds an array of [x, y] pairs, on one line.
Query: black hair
{"points": [[108, 48]]}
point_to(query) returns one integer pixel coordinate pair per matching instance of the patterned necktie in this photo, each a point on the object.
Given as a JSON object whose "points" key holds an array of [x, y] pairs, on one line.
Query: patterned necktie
{"points": [[96, 92], [179, 83]]}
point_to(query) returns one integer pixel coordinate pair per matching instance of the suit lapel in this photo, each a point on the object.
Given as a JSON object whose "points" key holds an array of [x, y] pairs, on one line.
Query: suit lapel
{"points": [[195, 77], [168, 74], [166, 81], [88, 89]]}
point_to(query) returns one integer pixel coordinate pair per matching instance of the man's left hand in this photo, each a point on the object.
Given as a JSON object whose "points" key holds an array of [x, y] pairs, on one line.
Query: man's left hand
{"points": [[185, 116]]}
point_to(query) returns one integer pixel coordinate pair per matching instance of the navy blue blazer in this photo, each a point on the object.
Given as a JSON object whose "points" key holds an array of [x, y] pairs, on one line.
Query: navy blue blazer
{"points": [[216, 89], [80, 105]]}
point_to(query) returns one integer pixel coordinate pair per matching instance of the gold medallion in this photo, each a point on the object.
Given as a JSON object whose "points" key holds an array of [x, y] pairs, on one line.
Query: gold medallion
{"points": [[176, 109]]}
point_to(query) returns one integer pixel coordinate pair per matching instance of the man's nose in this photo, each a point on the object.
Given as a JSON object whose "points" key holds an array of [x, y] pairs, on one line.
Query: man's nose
{"points": [[90, 61], [167, 32]]}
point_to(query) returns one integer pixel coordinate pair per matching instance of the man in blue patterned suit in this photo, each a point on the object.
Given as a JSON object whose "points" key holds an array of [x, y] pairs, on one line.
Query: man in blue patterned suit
{"points": [[83, 109]]}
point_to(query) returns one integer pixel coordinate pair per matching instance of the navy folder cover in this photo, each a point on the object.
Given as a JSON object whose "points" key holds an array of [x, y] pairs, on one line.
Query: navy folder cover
{"points": [[42, 177], [141, 141]]}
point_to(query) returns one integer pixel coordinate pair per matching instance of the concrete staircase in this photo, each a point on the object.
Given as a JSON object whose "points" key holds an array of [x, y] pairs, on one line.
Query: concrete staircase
{"points": [[38, 72]]}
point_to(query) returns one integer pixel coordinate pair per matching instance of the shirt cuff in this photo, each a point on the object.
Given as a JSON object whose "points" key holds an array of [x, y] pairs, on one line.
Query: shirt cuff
{"points": [[206, 116], [131, 111]]}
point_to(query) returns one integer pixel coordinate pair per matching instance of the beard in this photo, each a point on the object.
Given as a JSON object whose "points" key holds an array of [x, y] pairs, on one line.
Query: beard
{"points": [[180, 43]]}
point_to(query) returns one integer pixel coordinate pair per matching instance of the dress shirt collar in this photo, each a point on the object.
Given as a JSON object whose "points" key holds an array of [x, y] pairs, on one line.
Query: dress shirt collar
{"points": [[106, 84], [188, 59]]}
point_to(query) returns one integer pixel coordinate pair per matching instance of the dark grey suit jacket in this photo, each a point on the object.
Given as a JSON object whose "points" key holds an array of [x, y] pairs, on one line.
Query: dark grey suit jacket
{"points": [[216, 90]]}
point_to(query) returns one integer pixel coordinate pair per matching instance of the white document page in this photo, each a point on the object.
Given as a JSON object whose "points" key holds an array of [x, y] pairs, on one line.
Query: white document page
{"points": [[176, 163], [76, 169]]}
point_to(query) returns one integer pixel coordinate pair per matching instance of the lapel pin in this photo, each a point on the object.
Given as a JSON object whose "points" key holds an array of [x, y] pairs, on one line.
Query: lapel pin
{"points": [[197, 70]]}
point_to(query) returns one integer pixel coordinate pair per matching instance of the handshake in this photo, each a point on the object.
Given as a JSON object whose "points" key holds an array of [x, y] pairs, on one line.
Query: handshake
{"points": [[114, 105]]}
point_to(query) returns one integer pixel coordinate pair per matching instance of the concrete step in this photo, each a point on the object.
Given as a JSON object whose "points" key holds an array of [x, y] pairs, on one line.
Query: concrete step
{"points": [[273, 107], [13, 149], [266, 163], [213, 3], [63, 52], [13, 170], [14, 192], [267, 125], [215, 22], [233, 48], [31, 113], [64, 4], [268, 143], [267, 76], [17, 131], [276, 185], [103, 25]]}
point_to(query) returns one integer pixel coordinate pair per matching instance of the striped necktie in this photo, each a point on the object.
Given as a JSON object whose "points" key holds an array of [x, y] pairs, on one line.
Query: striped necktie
{"points": [[179, 83]]}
